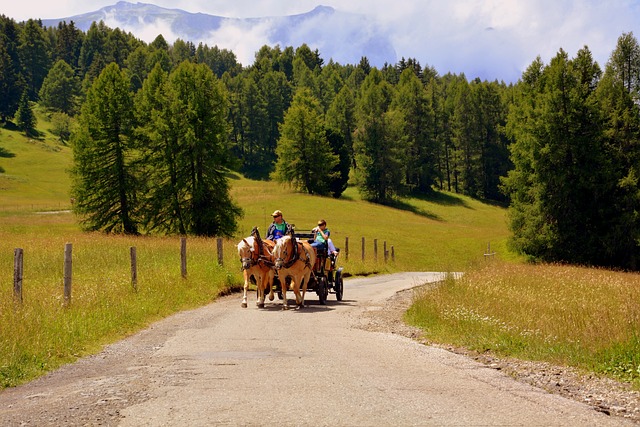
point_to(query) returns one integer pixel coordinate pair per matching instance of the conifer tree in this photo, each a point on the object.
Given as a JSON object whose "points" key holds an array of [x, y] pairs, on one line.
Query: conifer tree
{"points": [[25, 118], [104, 179], [197, 108], [60, 89], [305, 158], [562, 179], [379, 142]]}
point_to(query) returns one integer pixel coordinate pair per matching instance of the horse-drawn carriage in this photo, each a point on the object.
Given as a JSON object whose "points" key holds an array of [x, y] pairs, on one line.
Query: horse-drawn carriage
{"points": [[327, 277], [290, 262]]}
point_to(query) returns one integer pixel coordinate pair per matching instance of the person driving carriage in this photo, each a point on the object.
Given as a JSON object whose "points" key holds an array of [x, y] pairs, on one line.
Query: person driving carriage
{"points": [[278, 227]]}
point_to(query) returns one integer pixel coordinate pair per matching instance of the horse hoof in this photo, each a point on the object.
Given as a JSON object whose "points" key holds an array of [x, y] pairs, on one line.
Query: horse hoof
{"points": [[271, 297], [244, 305], [260, 305]]}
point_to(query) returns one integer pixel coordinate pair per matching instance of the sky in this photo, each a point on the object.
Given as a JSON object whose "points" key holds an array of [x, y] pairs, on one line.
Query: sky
{"points": [[490, 39]]}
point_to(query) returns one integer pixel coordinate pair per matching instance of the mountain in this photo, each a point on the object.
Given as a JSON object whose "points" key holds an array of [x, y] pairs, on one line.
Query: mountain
{"points": [[343, 37]]}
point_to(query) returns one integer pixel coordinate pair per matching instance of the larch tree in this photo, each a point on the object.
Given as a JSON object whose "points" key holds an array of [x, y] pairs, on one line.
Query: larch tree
{"points": [[305, 158], [563, 178], [61, 89], [379, 142], [198, 111], [104, 180]]}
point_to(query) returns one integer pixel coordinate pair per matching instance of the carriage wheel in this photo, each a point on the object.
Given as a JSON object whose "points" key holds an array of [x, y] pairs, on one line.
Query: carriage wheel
{"points": [[323, 290], [338, 286]]}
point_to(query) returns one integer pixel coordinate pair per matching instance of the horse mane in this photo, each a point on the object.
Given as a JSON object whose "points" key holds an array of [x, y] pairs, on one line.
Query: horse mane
{"points": [[256, 235], [294, 242]]}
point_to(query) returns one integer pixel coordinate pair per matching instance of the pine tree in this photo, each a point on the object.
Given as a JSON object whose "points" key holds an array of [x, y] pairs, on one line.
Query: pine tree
{"points": [[561, 185], [379, 142], [340, 123], [305, 159], [11, 81], [104, 179], [25, 119], [198, 111], [412, 102], [61, 89], [35, 56]]}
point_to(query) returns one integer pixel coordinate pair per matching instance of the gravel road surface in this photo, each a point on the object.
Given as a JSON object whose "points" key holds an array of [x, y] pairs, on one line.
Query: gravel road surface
{"points": [[320, 365]]}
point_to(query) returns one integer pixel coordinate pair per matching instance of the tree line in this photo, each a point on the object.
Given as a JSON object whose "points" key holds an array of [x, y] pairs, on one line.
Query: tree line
{"points": [[559, 146]]}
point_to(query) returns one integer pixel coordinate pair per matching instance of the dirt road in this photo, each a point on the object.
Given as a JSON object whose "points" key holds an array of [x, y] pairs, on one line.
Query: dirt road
{"points": [[224, 365]]}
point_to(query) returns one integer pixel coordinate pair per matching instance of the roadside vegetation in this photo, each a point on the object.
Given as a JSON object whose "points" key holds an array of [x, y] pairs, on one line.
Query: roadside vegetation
{"points": [[573, 316]]}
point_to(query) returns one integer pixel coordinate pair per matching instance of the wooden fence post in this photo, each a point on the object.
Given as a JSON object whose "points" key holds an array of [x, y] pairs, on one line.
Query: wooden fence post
{"points": [[18, 258], [489, 254], [183, 257], [68, 272], [375, 249], [134, 268], [363, 249], [384, 250], [220, 254], [346, 248], [393, 254]]}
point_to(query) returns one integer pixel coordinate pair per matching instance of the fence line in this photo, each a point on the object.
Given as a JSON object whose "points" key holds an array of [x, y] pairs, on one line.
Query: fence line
{"points": [[18, 268]]}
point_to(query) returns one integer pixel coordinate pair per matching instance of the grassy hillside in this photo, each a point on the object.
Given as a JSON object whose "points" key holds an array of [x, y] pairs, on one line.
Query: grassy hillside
{"points": [[35, 172], [444, 232]]}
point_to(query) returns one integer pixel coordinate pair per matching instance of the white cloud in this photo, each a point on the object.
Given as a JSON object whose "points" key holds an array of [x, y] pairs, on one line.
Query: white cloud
{"points": [[449, 35], [244, 42]]}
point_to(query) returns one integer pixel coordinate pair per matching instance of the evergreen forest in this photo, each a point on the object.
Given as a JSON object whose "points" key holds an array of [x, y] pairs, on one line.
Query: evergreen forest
{"points": [[155, 128]]}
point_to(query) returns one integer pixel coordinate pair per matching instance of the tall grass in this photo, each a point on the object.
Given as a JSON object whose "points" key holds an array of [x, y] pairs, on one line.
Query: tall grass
{"points": [[40, 334], [582, 317]]}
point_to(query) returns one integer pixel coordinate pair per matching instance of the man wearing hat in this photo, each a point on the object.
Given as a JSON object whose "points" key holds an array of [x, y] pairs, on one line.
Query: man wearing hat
{"points": [[278, 227]]}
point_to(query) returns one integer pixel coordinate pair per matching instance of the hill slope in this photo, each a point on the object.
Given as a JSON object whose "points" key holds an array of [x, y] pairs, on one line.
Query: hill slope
{"points": [[443, 232]]}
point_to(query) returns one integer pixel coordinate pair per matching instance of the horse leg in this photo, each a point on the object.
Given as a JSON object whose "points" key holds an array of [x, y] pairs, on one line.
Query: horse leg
{"points": [[304, 287], [283, 288], [261, 285], [269, 278], [296, 290], [246, 287]]}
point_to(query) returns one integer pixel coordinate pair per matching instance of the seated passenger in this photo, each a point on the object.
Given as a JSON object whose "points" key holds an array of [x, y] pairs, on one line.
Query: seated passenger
{"points": [[322, 239]]}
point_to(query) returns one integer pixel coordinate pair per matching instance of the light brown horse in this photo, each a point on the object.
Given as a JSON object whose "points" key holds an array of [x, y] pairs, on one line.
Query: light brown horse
{"points": [[294, 259], [257, 261]]}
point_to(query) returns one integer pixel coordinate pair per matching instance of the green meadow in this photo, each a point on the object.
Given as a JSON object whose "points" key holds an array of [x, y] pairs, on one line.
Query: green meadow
{"points": [[502, 304]]}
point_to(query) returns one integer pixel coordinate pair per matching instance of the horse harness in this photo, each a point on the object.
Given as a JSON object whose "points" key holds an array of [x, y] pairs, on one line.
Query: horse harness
{"points": [[296, 256]]}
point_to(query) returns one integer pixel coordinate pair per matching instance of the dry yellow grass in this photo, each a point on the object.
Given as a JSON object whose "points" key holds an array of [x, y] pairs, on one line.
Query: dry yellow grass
{"points": [[584, 317]]}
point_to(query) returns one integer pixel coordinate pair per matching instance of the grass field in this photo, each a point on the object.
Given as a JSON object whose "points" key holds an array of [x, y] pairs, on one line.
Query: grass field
{"points": [[502, 305]]}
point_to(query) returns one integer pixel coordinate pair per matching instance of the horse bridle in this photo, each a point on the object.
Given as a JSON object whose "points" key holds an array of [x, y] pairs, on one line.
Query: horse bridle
{"points": [[258, 259], [248, 262]]}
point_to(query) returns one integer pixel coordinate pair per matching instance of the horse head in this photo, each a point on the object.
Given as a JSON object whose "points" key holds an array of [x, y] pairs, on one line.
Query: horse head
{"points": [[282, 251], [245, 251]]}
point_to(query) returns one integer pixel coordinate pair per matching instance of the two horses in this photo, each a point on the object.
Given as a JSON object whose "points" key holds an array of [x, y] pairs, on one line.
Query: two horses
{"points": [[288, 257]]}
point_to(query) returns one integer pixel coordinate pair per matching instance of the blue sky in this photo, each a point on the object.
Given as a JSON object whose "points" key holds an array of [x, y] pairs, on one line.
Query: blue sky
{"points": [[491, 39]]}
